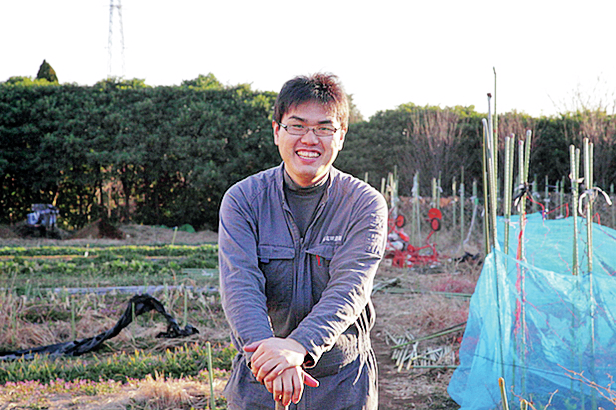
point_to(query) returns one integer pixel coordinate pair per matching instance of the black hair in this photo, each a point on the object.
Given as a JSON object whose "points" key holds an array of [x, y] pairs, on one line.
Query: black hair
{"points": [[322, 88]]}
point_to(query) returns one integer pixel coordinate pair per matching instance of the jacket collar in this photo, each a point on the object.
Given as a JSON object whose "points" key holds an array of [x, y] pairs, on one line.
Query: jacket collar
{"points": [[279, 179]]}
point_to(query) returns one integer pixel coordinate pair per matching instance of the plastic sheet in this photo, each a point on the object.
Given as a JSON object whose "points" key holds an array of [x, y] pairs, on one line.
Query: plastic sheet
{"points": [[137, 305], [550, 334]]}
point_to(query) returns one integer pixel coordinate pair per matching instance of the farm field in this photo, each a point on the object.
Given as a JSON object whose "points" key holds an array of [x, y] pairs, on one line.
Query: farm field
{"points": [[137, 370]]}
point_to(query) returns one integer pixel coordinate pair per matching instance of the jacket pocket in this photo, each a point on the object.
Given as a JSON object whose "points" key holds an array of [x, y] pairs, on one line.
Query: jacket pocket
{"points": [[276, 263], [323, 250], [319, 257]]}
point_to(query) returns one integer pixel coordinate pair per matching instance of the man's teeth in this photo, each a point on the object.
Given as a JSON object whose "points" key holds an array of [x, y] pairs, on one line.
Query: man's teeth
{"points": [[308, 154]]}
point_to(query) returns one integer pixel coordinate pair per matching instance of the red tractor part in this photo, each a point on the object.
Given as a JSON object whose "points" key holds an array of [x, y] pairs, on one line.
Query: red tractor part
{"points": [[411, 255]]}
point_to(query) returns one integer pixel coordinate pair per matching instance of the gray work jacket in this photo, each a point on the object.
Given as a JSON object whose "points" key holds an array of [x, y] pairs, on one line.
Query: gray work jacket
{"points": [[314, 289]]}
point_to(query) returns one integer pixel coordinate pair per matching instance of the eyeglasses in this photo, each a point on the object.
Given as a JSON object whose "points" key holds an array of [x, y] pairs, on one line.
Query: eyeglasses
{"points": [[301, 129]]}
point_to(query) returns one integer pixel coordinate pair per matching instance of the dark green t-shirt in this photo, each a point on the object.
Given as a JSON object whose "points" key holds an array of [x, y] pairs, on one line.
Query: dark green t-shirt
{"points": [[303, 201]]}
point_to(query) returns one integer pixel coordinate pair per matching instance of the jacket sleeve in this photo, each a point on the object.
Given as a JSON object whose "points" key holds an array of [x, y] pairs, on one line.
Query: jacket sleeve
{"points": [[352, 270], [242, 284]]}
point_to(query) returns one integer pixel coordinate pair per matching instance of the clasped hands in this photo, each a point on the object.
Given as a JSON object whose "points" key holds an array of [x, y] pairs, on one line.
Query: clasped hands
{"points": [[277, 363]]}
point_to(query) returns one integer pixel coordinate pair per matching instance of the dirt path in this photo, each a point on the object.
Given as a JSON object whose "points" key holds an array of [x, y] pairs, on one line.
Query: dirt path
{"points": [[409, 389]]}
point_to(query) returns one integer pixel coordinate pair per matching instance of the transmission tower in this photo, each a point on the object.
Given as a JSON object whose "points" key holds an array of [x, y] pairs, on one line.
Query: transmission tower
{"points": [[115, 7]]}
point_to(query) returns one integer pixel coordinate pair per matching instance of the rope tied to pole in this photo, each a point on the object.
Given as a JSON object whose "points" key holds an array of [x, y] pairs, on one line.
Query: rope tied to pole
{"points": [[592, 194]]}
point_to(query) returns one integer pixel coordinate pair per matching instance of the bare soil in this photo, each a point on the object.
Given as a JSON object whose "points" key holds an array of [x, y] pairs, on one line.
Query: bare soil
{"points": [[417, 314], [412, 304]]}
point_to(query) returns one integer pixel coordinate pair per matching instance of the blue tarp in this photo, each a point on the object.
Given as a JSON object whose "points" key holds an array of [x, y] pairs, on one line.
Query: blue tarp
{"points": [[550, 334]]}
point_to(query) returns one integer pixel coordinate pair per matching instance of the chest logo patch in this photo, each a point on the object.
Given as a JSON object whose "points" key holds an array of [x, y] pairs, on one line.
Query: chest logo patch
{"points": [[332, 238]]}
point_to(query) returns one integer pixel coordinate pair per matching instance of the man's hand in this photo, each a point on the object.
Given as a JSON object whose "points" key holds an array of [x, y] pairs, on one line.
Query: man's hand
{"points": [[289, 385], [276, 363], [273, 356]]}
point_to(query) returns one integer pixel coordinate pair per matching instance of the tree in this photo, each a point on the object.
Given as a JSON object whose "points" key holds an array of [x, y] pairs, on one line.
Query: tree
{"points": [[47, 72], [203, 82], [430, 140], [355, 115]]}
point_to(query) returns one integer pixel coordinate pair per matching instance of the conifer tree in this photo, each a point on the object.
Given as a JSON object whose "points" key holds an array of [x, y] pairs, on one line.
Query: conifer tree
{"points": [[47, 72]]}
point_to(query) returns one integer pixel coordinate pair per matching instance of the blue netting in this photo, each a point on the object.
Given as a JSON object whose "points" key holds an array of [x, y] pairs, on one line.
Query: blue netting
{"points": [[542, 343]]}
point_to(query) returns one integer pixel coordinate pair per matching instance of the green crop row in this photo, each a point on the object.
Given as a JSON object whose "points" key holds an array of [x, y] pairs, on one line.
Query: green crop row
{"points": [[128, 251], [188, 360], [108, 265], [113, 267]]}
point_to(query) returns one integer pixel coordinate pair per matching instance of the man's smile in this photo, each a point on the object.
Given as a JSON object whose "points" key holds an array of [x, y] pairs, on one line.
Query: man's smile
{"points": [[308, 154]]}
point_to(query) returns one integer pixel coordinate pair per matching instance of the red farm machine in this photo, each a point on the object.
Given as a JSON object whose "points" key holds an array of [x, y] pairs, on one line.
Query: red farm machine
{"points": [[402, 252]]}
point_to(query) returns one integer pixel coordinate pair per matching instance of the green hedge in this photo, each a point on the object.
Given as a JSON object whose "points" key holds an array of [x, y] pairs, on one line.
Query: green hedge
{"points": [[165, 155], [155, 155]]}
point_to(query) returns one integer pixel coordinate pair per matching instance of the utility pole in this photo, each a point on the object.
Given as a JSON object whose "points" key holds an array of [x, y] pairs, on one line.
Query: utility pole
{"points": [[112, 65]]}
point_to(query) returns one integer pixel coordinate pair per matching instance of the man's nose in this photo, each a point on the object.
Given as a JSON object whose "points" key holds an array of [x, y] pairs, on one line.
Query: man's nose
{"points": [[310, 137]]}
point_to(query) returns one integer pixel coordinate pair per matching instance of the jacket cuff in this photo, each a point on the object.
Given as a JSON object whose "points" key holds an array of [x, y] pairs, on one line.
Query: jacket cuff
{"points": [[313, 352]]}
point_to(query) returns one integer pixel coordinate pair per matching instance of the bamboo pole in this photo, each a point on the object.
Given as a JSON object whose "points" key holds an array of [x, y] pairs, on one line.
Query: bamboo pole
{"points": [[533, 194], [522, 200], [524, 165], [392, 189], [574, 157], [396, 173], [462, 199], [453, 204], [503, 391], [490, 230], [574, 160], [562, 194], [494, 195], [486, 222], [509, 154], [494, 126], [560, 190], [475, 202], [490, 188], [546, 195], [439, 189], [444, 332], [416, 214], [508, 186], [613, 207], [588, 180], [527, 148], [210, 372], [492, 141]]}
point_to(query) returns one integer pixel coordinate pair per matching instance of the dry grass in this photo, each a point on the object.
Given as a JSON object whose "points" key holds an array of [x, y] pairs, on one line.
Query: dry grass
{"points": [[159, 393], [152, 393]]}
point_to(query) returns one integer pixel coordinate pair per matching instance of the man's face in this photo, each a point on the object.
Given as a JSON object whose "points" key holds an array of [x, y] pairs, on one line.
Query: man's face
{"points": [[307, 158]]}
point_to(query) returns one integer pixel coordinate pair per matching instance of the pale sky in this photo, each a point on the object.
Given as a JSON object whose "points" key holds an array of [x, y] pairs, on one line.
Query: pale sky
{"points": [[386, 52]]}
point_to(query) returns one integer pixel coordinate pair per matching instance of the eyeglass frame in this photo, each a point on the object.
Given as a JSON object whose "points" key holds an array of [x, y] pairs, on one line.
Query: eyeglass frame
{"points": [[308, 129]]}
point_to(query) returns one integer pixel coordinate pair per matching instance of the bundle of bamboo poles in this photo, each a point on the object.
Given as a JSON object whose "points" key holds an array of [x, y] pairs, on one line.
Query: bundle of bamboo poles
{"points": [[407, 353]]}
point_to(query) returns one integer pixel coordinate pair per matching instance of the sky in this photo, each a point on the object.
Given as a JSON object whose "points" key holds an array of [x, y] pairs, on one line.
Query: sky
{"points": [[547, 55]]}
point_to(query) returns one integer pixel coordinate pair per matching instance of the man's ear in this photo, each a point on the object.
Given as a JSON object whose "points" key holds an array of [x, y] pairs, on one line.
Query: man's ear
{"points": [[343, 132], [276, 128]]}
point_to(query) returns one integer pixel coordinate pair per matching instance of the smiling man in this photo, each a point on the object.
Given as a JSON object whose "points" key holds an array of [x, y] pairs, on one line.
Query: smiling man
{"points": [[299, 245]]}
